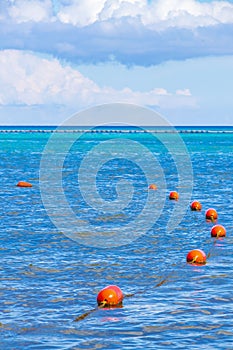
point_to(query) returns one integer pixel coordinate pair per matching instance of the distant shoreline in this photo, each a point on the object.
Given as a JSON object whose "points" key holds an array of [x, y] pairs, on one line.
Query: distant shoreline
{"points": [[116, 129]]}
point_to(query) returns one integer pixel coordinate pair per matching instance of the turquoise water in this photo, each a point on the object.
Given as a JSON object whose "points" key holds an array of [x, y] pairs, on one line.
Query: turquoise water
{"points": [[48, 279]]}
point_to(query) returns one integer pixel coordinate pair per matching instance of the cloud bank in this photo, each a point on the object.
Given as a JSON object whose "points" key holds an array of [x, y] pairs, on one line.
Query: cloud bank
{"points": [[27, 79], [127, 31], [179, 13]]}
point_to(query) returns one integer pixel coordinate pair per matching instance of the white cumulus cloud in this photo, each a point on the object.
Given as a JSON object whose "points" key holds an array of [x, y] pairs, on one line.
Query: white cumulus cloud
{"points": [[187, 13], [180, 13], [81, 13], [184, 92], [33, 10], [29, 79]]}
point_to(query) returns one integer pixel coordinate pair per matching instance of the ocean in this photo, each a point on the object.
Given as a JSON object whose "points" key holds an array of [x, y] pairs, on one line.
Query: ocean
{"points": [[89, 221]]}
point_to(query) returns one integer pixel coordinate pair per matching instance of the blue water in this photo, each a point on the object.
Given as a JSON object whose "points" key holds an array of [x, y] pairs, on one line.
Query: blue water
{"points": [[48, 279]]}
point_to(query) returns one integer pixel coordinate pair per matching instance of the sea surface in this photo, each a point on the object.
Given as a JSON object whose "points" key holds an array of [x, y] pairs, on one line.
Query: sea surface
{"points": [[53, 264]]}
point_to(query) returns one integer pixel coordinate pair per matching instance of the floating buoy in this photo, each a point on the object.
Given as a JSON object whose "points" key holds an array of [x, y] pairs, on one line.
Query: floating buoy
{"points": [[152, 187], [196, 256], [211, 214], [195, 206], [110, 296], [218, 231], [174, 195], [24, 184]]}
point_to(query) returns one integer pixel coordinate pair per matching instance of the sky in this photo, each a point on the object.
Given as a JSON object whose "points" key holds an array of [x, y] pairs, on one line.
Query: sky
{"points": [[59, 57]]}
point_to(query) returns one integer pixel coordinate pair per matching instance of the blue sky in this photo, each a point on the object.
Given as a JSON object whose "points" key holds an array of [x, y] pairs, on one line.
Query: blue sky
{"points": [[59, 57]]}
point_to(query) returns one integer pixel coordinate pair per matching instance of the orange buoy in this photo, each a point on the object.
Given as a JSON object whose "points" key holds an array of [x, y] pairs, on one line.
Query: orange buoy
{"points": [[152, 187], [211, 214], [195, 206], [110, 296], [24, 184], [196, 256], [174, 195], [218, 231]]}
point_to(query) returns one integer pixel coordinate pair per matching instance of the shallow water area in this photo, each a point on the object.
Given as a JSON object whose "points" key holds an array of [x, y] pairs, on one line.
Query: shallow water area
{"points": [[48, 279]]}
